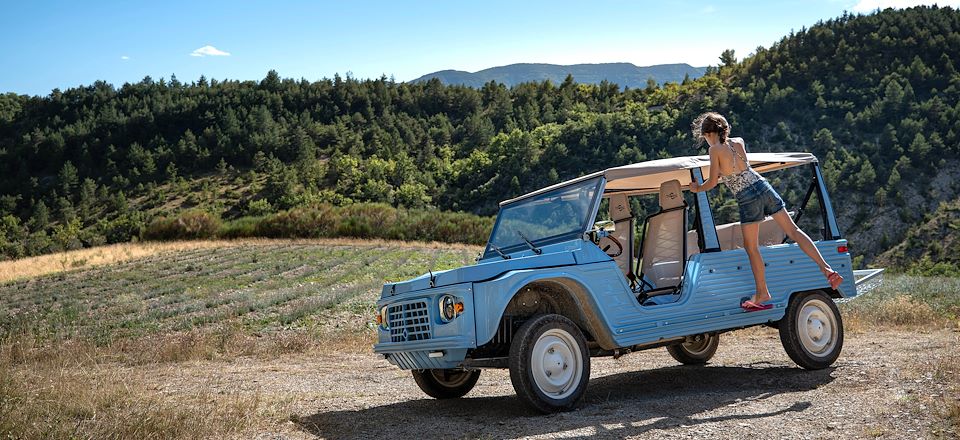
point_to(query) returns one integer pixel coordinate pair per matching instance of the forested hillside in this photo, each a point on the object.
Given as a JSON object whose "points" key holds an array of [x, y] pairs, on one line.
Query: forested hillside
{"points": [[876, 97]]}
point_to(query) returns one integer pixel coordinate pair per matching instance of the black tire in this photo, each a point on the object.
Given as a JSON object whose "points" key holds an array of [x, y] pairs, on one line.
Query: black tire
{"points": [[811, 330], [446, 384], [696, 352], [549, 363]]}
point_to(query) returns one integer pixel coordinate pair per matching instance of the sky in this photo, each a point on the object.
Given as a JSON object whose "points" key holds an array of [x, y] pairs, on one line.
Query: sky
{"points": [[63, 44]]}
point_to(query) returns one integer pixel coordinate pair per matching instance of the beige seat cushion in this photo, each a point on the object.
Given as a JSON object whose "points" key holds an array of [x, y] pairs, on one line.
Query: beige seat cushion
{"points": [[663, 244], [730, 235]]}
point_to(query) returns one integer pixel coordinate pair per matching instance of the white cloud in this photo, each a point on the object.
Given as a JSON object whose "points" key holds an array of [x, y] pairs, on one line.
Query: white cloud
{"points": [[209, 51], [124, 57], [708, 10], [867, 6]]}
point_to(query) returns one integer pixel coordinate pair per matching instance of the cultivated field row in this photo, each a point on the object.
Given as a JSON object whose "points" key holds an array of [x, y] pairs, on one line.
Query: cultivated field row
{"points": [[259, 287]]}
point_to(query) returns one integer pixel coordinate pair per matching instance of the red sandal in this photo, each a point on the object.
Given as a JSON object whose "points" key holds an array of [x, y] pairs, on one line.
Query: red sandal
{"points": [[751, 306]]}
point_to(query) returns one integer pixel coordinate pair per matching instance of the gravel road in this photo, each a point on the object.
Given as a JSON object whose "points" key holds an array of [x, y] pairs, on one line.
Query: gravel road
{"points": [[886, 384]]}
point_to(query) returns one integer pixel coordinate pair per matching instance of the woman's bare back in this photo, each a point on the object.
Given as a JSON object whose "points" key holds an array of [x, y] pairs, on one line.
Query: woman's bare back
{"points": [[728, 163]]}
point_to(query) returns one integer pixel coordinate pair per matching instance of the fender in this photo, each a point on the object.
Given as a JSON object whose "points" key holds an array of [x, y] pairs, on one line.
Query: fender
{"points": [[491, 297]]}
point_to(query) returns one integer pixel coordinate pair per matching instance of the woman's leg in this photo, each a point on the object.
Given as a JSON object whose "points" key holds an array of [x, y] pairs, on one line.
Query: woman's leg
{"points": [[806, 244], [751, 238]]}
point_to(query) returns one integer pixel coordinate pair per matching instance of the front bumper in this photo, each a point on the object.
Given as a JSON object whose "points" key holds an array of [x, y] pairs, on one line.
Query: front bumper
{"points": [[416, 338]]}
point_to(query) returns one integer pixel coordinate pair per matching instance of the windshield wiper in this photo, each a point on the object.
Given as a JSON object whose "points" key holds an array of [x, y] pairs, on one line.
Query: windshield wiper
{"points": [[497, 250], [533, 248]]}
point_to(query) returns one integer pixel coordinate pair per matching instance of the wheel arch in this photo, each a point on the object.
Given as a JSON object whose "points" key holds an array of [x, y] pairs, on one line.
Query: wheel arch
{"points": [[562, 294], [829, 292]]}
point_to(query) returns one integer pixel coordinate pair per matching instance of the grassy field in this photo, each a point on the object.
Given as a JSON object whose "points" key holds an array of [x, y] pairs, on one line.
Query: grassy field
{"points": [[73, 339], [63, 334]]}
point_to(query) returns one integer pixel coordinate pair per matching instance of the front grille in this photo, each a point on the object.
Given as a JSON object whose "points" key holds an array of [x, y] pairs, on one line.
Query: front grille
{"points": [[409, 321]]}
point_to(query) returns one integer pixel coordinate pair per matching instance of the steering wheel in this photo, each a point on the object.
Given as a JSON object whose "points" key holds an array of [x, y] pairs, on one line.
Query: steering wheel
{"points": [[615, 242]]}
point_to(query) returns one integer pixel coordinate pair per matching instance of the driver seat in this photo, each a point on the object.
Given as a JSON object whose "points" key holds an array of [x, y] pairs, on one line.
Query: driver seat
{"points": [[623, 229], [663, 245]]}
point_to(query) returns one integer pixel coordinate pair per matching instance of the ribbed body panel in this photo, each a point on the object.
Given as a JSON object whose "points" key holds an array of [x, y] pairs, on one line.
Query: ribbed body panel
{"points": [[717, 282]]}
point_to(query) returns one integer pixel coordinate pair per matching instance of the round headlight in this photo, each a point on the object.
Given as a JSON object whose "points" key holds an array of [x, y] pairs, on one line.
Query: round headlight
{"points": [[448, 308]]}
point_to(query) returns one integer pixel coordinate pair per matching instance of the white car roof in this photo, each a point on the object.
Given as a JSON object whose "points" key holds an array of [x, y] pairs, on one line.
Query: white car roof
{"points": [[646, 177]]}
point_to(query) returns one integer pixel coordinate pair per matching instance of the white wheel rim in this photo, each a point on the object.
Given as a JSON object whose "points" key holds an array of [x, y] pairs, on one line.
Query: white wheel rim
{"points": [[557, 363], [698, 346], [817, 328]]}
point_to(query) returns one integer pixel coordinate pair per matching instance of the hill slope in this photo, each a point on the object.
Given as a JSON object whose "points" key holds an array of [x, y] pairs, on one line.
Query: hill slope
{"points": [[875, 97], [622, 74]]}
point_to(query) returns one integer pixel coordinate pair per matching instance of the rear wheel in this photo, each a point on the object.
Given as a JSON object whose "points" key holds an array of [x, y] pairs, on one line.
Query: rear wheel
{"points": [[549, 363], [811, 330], [697, 351], [446, 384]]}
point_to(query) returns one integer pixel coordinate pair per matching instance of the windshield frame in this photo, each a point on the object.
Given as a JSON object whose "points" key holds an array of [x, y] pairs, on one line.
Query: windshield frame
{"points": [[586, 225]]}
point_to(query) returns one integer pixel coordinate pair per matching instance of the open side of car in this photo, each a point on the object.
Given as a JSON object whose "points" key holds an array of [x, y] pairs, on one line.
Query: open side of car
{"points": [[555, 287]]}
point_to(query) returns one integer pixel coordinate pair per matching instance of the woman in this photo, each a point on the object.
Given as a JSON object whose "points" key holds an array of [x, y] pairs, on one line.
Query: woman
{"points": [[756, 199]]}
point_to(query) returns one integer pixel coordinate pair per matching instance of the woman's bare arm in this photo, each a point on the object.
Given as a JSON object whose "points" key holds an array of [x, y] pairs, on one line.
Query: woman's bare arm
{"points": [[714, 174]]}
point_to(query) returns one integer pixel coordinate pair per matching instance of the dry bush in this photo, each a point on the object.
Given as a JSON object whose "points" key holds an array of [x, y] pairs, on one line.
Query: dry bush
{"points": [[188, 225], [900, 310]]}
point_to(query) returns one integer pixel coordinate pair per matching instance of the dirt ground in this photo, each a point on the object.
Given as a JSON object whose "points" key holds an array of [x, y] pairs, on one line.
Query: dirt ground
{"points": [[890, 384]]}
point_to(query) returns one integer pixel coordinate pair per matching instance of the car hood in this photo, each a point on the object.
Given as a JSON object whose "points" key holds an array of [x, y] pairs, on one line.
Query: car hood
{"points": [[570, 254]]}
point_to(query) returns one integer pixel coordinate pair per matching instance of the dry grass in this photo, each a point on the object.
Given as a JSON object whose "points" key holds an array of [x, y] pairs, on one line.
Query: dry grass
{"points": [[79, 390], [98, 256], [906, 301], [901, 310], [46, 402], [117, 253]]}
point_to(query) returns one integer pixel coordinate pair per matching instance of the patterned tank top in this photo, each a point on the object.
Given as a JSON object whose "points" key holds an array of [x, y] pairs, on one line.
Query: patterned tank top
{"points": [[739, 181]]}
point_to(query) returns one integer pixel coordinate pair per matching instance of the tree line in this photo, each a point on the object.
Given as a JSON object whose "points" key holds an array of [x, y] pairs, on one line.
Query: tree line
{"points": [[875, 97]]}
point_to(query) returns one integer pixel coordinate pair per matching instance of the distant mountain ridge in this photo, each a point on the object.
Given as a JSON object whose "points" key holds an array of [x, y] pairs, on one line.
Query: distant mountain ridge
{"points": [[623, 74]]}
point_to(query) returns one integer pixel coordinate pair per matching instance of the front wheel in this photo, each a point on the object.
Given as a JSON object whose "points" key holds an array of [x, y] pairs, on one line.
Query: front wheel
{"points": [[446, 384], [811, 330], [697, 351], [549, 363]]}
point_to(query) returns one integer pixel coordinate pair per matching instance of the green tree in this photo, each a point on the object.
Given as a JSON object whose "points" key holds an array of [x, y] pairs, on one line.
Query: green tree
{"points": [[68, 177], [728, 58], [41, 216]]}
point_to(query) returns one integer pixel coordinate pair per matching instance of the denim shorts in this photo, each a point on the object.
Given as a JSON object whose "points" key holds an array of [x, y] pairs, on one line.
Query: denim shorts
{"points": [[758, 201]]}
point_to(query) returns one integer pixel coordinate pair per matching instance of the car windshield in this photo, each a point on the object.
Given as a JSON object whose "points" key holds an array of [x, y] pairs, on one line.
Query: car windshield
{"points": [[551, 217]]}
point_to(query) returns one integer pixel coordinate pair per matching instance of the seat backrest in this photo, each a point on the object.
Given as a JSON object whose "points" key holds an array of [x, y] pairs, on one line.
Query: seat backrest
{"points": [[623, 224], [730, 235], [663, 253]]}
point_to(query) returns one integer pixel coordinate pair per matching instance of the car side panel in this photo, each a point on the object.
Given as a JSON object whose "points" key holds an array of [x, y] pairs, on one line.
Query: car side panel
{"points": [[716, 282]]}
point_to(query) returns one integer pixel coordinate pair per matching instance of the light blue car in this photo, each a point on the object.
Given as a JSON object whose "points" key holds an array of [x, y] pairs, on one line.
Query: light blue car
{"points": [[555, 287]]}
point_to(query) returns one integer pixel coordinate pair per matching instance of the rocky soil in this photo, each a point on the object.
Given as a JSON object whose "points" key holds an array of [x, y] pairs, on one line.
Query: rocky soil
{"points": [[886, 384]]}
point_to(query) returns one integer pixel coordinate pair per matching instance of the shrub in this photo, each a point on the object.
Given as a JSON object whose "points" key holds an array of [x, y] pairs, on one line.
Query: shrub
{"points": [[123, 228], [240, 228], [258, 207], [299, 223], [193, 224]]}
